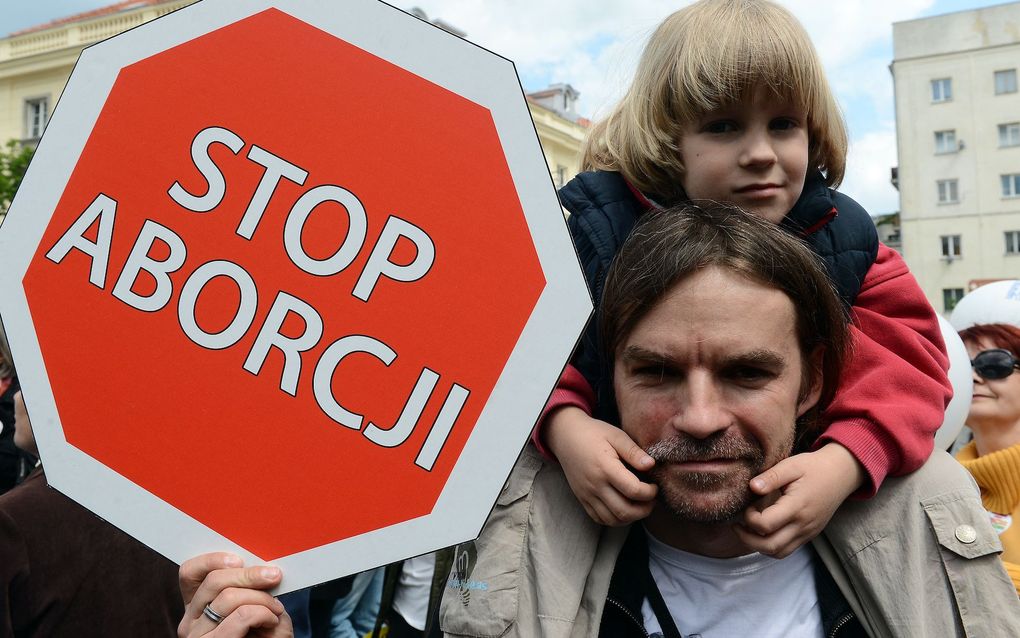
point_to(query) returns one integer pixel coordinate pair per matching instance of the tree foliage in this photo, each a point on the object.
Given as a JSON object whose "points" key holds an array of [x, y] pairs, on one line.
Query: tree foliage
{"points": [[14, 159]]}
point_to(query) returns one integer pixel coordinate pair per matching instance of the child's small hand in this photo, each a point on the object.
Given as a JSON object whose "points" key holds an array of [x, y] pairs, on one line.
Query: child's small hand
{"points": [[592, 454], [805, 490]]}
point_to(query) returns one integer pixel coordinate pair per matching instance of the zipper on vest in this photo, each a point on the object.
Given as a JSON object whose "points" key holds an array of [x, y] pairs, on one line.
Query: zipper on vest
{"points": [[630, 615], [818, 225], [841, 623]]}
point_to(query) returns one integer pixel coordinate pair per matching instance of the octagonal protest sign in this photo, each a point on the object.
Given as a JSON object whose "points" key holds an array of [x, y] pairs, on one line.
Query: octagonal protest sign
{"points": [[289, 279]]}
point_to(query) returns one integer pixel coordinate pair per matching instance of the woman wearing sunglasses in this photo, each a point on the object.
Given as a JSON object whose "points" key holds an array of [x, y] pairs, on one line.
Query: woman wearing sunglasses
{"points": [[993, 457]]}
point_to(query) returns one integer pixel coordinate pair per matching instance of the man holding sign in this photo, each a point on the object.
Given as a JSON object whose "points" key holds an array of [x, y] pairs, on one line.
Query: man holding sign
{"points": [[717, 395]]}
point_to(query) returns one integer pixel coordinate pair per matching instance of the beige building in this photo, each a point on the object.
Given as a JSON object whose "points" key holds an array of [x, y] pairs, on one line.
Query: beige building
{"points": [[560, 129], [958, 136], [36, 63]]}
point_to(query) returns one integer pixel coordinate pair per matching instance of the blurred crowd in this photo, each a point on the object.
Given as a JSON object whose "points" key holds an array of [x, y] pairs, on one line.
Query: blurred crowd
{"points": [[14, 463]]}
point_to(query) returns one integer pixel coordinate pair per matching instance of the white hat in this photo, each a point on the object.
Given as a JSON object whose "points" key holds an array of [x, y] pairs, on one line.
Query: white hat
{"points": [[997, 302]]}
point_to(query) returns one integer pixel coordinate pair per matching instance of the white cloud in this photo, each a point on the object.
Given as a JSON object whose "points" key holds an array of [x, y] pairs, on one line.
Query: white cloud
{"points": [[867, 175], [595, 48], [843, 32]]}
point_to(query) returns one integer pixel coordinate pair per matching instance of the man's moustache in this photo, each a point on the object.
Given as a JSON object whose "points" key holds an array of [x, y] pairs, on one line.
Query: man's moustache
{"points": [[684, 448]]}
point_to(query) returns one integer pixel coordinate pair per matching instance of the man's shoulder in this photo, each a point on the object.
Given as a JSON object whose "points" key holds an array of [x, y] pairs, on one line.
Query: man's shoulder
{"points": [[537, 535], [921, 557], [939, 477], [940, 491]]}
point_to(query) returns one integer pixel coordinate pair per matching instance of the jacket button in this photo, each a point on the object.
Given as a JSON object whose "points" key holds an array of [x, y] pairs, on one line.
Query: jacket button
{"points": [[966, 534]]}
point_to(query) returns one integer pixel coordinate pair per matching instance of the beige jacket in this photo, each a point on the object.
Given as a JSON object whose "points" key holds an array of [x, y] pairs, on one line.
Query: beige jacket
{"points": [[918, 559]]}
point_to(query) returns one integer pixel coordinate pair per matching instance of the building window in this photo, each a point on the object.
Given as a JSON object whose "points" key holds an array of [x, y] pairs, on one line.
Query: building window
{"points": [[1009, 134], [948, 191], [950, 246], [951, 297], [1011, 185], [945, 142], [1005, 81], [37, 113], [942, 90], [561, 176], [1012, 242]]}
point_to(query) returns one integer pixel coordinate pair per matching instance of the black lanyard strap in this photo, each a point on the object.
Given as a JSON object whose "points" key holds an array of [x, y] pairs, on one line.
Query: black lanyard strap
{"points": [[662, 614]]}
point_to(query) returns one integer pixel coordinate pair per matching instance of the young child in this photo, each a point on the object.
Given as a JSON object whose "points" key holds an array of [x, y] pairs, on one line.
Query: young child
{"points": [[730, 103]]}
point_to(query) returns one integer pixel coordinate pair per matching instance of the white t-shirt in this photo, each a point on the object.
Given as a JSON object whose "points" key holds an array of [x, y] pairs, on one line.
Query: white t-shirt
{"points": [[411, 598], [753, 595]]}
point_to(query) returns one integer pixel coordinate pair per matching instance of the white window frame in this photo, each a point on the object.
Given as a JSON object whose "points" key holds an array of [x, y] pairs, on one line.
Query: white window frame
{"points": [[948, 191], [945, 142], [952, 247], [941, 90], [1009, 134], [560, 176], [36, 118], [1005, 81], [1012, 238], [956, 294], [1010, 185]]}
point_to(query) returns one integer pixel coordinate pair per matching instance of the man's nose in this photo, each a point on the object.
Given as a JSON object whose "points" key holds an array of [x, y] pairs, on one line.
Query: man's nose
{"points": [[701, 411], [758, 149]]}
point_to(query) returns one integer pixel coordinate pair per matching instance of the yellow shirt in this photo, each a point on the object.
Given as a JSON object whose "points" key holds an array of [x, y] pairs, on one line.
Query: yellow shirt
{"points": [[998, 476]]}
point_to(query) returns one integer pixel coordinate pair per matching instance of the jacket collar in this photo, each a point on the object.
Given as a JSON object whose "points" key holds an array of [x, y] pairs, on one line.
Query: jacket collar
{"points": [[814, 208]]}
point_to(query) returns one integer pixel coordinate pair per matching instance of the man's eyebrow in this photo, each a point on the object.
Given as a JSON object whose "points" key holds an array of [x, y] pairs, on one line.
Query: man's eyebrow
{"points": [[760, 357], [637, 353]]}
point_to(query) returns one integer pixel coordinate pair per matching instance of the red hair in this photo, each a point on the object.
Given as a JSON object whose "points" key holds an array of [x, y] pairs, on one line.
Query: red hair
{"points": [[1003, 335]]}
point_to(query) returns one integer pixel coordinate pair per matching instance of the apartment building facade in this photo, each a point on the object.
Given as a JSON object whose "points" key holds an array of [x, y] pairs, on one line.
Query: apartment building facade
{"points": [[958, 138]]}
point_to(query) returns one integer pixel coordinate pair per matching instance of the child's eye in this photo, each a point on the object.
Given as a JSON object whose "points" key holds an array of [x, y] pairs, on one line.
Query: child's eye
{"points": [[719, 126], [783, 124]]}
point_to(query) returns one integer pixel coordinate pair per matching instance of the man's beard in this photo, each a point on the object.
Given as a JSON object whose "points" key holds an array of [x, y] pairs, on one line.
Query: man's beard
{"points": [[708, 497]]}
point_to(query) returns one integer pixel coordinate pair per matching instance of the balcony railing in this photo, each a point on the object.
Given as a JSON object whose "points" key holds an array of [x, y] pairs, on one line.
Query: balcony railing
{"points": [[84, 32]]}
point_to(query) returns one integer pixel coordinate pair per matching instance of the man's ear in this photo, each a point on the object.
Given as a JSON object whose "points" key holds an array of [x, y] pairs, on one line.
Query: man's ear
{"points": [[811, 387]]}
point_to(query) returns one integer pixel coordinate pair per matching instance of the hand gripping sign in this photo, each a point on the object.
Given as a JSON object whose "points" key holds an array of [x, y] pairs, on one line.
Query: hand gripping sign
{"points": [[289, 279]]}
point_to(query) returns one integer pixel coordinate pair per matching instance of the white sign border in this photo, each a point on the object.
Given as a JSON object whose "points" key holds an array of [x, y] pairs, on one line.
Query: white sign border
{"points": [[518, 396]]}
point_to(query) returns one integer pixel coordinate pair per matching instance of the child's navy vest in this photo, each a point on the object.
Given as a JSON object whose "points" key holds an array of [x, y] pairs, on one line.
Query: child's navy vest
{"points": [[603, 211]]}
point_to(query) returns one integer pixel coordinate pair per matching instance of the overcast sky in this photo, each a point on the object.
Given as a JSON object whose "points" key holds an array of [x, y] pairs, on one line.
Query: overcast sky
{"points": [[593, 45]]}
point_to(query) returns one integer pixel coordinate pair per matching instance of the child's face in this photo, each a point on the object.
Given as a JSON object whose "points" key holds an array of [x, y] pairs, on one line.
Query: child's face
{"points": [[753, 154]]}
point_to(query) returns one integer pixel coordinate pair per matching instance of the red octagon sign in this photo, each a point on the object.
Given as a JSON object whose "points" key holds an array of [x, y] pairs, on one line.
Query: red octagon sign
{"points": [[290, 281]]}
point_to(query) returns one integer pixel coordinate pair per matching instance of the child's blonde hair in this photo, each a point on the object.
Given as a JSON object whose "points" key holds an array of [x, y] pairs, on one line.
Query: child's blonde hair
{"points": [[709, 55]]}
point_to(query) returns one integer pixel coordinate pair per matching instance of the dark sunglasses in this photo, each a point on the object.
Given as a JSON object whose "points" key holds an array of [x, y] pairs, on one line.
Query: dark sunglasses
{"points": [[995, 364]]}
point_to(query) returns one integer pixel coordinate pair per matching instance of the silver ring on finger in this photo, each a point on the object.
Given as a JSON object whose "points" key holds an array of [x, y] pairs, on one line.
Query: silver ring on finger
{"points": [[211, 614]]}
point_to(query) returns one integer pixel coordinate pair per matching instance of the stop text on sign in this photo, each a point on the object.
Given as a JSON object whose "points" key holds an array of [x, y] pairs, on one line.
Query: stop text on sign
{"points": [[379, 265]]}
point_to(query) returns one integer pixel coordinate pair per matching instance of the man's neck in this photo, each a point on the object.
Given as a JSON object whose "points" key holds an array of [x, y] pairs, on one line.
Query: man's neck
{"points": [[715, 540]]}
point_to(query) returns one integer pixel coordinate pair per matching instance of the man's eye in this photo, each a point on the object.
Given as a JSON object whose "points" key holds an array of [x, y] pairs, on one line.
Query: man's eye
{"points": [[654, 372], [750, 374]]}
